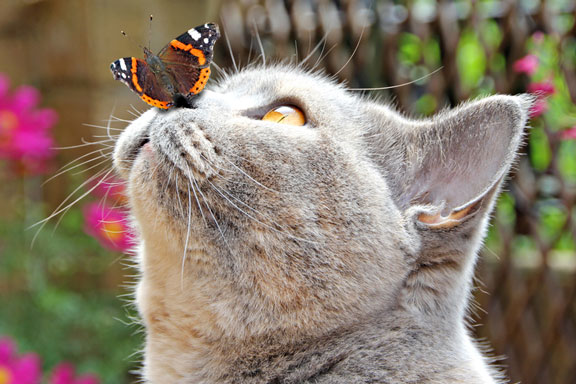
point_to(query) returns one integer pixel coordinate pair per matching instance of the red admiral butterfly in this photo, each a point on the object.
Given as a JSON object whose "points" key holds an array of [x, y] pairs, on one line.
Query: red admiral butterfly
{"points": [[179, 71]]}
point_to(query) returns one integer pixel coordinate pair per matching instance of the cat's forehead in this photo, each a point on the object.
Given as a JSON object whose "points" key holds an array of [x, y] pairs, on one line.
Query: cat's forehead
{"points": [[280, 81]]}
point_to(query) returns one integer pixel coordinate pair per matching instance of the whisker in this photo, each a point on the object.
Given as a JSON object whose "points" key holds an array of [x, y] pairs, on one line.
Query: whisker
{"points": [[214, 218], [80, 158], [321, 42], [254, 218], [250, 49], [229, 45], [178, 194], [91, 167], [102, 127], [296, 49], [190, 179], [85, 144], [59, 209], [136, 110], [323, 55], [260, 44], [114, 118], [63, 171], [251, 178], [112, 137], [220, 70], [353, 52], [188, 229], [399, 85]]}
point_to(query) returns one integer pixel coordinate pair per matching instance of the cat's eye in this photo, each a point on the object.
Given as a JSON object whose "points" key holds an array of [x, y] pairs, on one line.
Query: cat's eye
{"points": [[286, 114]]}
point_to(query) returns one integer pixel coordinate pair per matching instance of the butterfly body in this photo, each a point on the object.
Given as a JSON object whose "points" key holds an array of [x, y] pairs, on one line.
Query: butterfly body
{"points": [[176, 74]]}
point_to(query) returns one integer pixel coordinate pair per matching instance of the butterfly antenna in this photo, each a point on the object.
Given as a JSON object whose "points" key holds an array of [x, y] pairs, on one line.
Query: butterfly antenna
{"points": [[146, 50], [150, 34]]}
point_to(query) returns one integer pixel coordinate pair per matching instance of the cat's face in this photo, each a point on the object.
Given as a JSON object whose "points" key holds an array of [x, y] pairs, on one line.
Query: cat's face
{"points": [[296, 216], [307, 227]]}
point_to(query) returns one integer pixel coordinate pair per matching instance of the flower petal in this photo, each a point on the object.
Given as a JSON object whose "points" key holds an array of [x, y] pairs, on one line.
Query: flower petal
{"points": [[28, 369], [25, 98], [7, 350], [569, 134], [544, 88], [63, 373], [528, 64], [109, 226], [538, 108]]}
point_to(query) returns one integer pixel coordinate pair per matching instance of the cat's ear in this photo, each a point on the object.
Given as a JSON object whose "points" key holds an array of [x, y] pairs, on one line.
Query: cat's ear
{"points": [[444, 175], [448, 167]]}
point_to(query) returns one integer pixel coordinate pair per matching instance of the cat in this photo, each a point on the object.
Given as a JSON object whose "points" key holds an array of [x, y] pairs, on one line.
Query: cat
{"points": [[292, 231]]}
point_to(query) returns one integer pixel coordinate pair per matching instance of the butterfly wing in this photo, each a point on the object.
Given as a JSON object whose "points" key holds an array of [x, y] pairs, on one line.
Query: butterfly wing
{"points": [[187, 58], [136, 74]]}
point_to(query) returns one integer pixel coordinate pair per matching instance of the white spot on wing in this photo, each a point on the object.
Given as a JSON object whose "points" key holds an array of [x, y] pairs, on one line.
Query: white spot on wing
{"points": [[123, 65], [194, 34], [206, 40]]}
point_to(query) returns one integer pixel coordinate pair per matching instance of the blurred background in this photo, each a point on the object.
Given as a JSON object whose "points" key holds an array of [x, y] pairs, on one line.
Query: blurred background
{"points": [[65, 315]]}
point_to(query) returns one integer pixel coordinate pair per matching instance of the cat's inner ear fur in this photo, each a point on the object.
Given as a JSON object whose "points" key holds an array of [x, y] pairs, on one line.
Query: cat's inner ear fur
{"points": [[449, 165]]}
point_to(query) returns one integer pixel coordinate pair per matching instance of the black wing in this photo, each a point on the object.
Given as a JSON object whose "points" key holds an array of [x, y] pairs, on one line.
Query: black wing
{"points": [[187, 58]]}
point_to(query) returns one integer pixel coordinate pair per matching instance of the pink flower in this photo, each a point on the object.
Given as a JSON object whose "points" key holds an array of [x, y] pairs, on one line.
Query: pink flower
{"points": [[16, 369], [25, 137], [110, 188], [569, 134], [65, 373], [544, 88], [539, 107], [109, 226], [528, 64], [538, 37]]}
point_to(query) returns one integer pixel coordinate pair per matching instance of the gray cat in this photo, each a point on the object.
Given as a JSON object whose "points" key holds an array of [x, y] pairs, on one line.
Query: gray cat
{"points": [[293, 232]]}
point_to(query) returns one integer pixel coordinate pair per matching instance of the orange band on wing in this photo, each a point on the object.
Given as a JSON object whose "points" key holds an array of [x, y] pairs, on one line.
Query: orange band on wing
{"points": [[153, 102], [188, 47], [202, 80], [134, 69]]}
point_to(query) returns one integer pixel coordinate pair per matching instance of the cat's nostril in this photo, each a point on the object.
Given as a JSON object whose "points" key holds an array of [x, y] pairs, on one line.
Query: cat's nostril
{"points": [[145, 141]]}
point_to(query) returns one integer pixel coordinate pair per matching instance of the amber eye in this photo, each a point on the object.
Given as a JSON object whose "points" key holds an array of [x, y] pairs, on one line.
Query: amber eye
{"points": [[286, 114]]}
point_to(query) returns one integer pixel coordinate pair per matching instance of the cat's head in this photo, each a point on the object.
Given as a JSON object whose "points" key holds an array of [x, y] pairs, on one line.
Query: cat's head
{"points": [[340, 209]]}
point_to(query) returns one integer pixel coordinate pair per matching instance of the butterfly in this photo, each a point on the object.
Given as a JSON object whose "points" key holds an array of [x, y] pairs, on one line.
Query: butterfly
{"points": [[176, 74]]}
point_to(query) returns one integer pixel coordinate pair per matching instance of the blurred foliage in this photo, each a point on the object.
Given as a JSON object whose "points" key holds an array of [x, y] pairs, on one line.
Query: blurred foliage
{"points": [[56, 302]]}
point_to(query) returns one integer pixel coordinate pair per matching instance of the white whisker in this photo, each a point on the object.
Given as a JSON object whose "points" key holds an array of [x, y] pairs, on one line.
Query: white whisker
{"points": [[60, 210], [229, 46], [251, 178], [260, 44], [190, 179], [221, 193], [399, 85], [188, 229], [102, 156], [353, 52], [321, 42], [85, 144]]}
